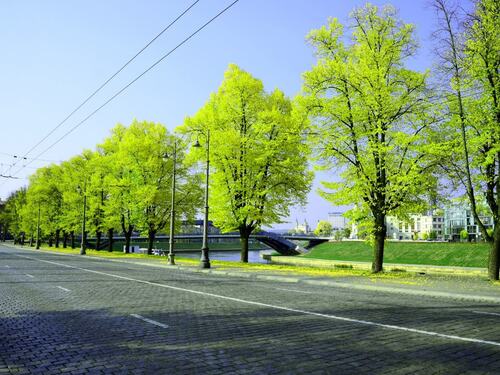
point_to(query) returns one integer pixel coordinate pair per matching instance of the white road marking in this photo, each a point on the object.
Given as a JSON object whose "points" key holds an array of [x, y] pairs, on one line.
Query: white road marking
{"points": [[27, 274], [486, 313], [7, 266], [276, 307], [60, 287], [149, 320], [294, 290]]}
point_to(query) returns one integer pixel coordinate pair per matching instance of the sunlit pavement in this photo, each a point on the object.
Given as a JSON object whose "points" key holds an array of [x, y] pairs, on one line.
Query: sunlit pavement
{"points": [[79, 315]]}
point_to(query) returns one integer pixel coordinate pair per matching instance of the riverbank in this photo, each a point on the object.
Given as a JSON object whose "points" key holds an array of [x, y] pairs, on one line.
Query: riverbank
{"points": [[398, 253]]}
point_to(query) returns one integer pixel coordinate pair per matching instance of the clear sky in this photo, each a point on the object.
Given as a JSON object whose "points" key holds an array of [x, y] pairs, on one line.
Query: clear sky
{"points": [[55, 53]]}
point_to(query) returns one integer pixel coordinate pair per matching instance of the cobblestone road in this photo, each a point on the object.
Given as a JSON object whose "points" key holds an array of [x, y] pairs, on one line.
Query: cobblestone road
{"points": [[81, 315]]}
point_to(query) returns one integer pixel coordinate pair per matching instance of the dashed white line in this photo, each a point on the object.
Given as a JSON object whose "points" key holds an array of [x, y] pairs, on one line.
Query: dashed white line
{"points": [[27, 274], [60, 287], [149, 320], [486, 313], [276, 307]]}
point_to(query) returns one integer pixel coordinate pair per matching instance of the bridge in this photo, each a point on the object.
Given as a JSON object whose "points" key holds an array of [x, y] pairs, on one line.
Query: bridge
{"points": [[283, 244]]}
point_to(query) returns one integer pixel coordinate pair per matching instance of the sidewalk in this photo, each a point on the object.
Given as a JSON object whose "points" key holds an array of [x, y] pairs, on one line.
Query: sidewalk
{"points": [[423, 268]]}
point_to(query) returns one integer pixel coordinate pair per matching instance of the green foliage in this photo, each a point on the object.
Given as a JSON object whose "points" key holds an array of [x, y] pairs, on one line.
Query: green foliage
{"points": [[369, 116], [468, 140], [258, 162], [347, 232], [464, 234], [324, 228], [126, 183]]}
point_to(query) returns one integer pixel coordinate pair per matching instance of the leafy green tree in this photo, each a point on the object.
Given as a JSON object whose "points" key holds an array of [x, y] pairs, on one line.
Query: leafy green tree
{"points": [[347, 232], [122, 209], [464, 235], [369, 115], [324, 228], [259, 164], [45, 194], [10, 215], [469, 137]]}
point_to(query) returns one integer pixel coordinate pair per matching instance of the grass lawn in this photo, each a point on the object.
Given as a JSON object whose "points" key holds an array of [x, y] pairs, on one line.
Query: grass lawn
{"points": [[430, 253]]}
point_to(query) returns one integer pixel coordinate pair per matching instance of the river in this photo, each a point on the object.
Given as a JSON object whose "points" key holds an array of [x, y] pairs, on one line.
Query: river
{"points": [[234, 256]]}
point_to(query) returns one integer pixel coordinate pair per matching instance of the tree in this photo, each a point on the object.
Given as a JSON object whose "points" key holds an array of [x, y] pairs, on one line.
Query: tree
{"points": [[347, 232], [139, 165], [259, 164], [44, 195], [324, 228], [369, 118], [469, 145], [122, 210], [10, 215]]}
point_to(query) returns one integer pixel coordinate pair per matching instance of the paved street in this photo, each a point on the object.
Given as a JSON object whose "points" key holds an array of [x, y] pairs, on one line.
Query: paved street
{"points": [[79, 315]]}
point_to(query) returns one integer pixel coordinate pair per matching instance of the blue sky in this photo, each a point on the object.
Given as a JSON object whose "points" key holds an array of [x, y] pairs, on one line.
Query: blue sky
{"points": [[55, 53]]}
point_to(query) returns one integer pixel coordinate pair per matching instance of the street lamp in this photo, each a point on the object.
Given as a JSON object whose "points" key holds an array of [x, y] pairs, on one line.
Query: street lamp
{"points": [[38, 229], [171, 254], [205, 261], [83, 244]]}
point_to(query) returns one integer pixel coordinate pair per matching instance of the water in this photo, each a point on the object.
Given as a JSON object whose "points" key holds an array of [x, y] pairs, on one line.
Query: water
{"points": [[234, 256]]}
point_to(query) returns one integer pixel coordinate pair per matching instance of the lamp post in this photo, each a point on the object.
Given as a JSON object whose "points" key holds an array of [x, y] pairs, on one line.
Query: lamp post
{"points": [[83, 244], [38, 229], [171, 240], [205, 261]]}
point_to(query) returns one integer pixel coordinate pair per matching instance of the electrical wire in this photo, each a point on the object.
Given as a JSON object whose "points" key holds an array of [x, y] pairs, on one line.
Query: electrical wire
{"points": [[131, 83], [110, 78]]}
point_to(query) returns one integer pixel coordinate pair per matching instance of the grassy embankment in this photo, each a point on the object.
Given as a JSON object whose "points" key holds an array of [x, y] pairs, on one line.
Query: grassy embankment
{"points": [[428, 253]]}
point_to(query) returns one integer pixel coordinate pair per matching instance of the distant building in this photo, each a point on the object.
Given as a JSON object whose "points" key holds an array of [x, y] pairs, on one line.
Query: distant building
{"points": [[338, 221], [417, 227], [302, 228], [196, 227], [457, 217]]}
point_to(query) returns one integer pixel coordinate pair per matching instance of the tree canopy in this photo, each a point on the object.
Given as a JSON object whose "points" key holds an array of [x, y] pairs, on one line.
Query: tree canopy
{"points": [[259, 162]]}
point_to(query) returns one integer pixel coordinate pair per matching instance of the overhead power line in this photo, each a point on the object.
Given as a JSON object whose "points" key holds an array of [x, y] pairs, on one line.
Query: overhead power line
{"points": [[131, 83], [110, 78]]}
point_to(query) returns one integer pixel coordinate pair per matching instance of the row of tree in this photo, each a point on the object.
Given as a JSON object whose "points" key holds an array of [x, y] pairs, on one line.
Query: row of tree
{"points": [[390, 133]]}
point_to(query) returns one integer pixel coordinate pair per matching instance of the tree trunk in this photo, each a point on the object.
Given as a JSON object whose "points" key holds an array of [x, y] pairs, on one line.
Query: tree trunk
{"points": [[31, 240], [379, 233], [494, 262], [23, 239], [65, 239], [110, 239], [72, 236], [98, 235], [244, 235], [127, 244], [51, 239], [151, 240], [58, 233], [128, 235]]}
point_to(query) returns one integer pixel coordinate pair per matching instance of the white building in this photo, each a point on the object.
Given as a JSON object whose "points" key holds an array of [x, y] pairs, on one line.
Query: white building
{"points": [[302, 228], [418, 227], [338, 221]]}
